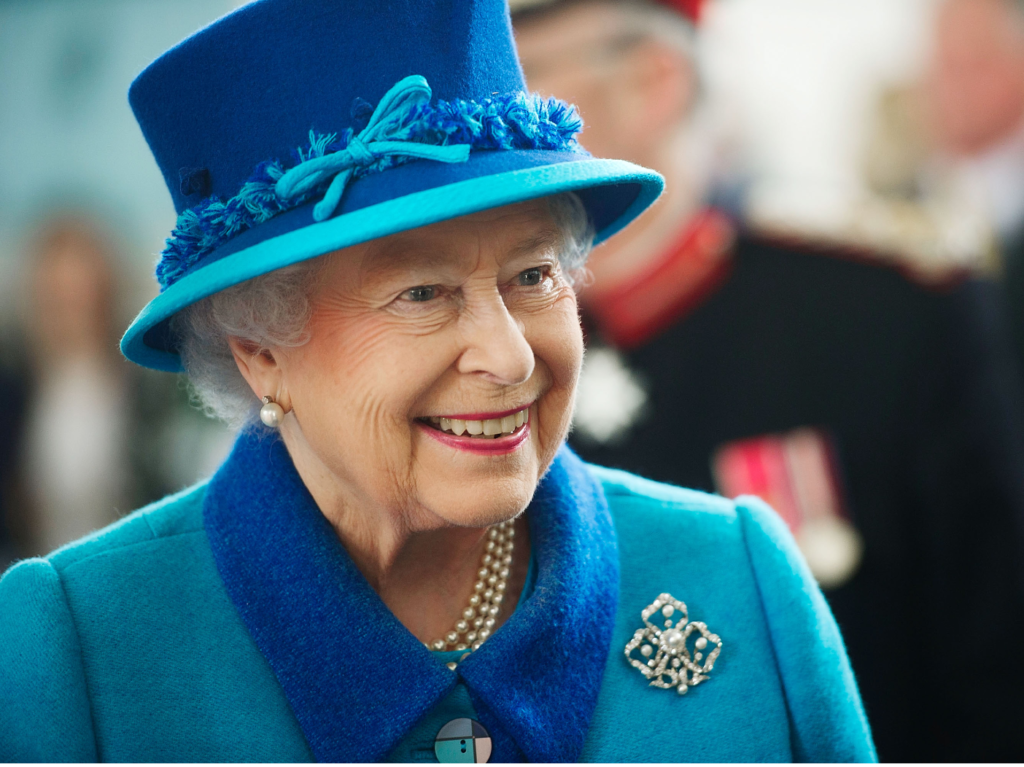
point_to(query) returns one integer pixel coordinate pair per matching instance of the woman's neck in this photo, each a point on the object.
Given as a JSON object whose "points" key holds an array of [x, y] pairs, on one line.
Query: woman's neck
{"points": [[422, 569]]}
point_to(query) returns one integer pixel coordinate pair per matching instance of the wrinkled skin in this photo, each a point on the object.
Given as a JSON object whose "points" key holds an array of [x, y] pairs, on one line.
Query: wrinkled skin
{"points": [[465, 316]]}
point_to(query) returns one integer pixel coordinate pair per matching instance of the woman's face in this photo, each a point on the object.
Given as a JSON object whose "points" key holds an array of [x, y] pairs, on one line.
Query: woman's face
{"points": [[469, 320]]}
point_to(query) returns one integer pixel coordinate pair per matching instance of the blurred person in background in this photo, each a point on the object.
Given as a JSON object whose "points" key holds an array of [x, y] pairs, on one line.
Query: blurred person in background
{"points": [[76, 433], [86, 435], [882, 418], [975, 105]]}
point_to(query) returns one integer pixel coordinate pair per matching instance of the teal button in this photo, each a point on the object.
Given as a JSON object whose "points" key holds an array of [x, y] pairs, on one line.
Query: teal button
{"points": [[463, 740]]}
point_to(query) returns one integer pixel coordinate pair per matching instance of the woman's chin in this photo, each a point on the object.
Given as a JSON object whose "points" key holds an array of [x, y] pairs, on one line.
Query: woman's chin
{"points": [[478, 498]]}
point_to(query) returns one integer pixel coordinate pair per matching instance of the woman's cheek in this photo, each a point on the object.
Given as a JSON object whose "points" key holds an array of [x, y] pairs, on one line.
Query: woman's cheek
{"points": [[562, 339], [558, 344], [346, 376]]}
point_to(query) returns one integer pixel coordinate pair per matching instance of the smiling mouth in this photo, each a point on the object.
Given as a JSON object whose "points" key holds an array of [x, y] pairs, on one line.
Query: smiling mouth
{"points": [[485, 428]]}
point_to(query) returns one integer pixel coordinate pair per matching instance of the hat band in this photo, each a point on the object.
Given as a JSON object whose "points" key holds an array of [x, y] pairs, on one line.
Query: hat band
{"points": [[403, 127], [377, 140]]}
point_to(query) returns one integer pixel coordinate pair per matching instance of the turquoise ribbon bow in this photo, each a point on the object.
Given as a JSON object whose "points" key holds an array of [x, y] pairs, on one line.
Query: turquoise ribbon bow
{"points": [[370, 145]]}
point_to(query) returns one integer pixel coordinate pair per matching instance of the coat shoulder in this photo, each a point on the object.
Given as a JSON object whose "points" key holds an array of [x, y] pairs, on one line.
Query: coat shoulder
{"points": [[737, 568], [47, 646], [633, 496], [744, 522], [124, 647], [176, 515]]}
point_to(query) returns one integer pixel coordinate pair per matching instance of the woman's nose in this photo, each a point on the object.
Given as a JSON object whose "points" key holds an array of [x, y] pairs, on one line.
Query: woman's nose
{"points": [[494, 343]]}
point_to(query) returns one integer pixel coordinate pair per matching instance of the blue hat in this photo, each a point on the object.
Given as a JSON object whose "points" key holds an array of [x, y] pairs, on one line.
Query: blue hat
{"points": [[292, 128]]}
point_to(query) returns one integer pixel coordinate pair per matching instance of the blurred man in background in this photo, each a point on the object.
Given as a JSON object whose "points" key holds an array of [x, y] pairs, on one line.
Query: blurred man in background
{"points": [[881, 418], [975, 98]]}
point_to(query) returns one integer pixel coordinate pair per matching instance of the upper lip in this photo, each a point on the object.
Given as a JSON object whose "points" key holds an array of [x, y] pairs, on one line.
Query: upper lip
{"points": [[482, 416]]}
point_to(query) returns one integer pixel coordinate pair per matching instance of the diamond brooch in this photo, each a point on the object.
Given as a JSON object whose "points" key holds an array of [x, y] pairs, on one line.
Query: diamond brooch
{"points": [[663, 655]]}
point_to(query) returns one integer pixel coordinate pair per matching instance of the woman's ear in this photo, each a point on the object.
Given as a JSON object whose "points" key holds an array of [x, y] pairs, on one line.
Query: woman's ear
{"points": [[260, 369]]}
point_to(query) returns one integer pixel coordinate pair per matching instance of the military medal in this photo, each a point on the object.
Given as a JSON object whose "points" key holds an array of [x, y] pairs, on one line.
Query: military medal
{"points": [[797, 474]]}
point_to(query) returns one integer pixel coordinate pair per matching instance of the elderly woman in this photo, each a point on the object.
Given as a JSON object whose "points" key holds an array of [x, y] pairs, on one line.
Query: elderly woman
{"points": [[400, 560]]}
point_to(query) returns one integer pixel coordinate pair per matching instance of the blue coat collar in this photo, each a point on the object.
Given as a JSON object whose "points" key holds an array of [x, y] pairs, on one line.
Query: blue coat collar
{"points": [[356, 679]]}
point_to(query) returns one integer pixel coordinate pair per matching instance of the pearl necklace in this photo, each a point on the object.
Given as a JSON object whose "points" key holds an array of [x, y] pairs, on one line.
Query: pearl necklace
{"points": [[479, 617]]}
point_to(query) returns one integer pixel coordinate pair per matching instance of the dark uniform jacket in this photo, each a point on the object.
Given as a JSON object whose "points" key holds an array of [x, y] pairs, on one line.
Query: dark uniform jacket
{"points": [[917, 391]]}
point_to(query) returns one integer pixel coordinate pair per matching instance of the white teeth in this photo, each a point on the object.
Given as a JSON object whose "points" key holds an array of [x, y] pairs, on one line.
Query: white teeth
{"points": [[491, 427]]}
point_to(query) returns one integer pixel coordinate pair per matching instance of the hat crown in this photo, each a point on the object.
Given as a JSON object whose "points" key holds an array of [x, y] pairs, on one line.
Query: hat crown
{"points": [[251, 86]]}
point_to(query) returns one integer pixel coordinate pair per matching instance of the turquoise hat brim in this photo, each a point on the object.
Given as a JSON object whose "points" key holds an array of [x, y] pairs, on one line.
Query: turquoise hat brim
{"points": [[147, 341]]}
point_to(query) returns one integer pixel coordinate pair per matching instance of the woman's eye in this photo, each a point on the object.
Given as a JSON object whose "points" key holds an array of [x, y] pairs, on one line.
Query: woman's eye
{"points": [[531, 277], [421, 293]]}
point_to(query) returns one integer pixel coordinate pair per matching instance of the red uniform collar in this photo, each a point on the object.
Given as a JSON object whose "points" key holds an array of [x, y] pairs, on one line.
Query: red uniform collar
{"points": [[694, 265]]}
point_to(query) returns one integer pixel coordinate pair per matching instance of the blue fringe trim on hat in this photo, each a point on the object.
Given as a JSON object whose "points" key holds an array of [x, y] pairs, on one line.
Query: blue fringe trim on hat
{"points": [[510, 121]]}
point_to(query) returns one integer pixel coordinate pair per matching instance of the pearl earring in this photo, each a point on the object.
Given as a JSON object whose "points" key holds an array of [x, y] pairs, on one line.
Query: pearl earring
{"points": [[271, 413]]}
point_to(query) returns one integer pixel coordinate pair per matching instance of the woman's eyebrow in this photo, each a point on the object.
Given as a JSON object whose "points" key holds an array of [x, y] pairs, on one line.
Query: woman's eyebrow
{"points": [[546, 239], [412, 253], [405, 254]]}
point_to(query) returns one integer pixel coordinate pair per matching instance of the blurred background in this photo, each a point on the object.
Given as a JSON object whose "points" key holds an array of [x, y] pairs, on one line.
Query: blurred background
{"points": [[867, 156]]}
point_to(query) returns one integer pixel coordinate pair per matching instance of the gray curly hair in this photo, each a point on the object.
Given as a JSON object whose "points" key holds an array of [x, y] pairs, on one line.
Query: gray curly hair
{"points": [[274, 310]]}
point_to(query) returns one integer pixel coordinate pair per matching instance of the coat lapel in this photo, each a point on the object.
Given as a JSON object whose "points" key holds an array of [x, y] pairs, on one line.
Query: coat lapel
{"points": [[537, 679]]}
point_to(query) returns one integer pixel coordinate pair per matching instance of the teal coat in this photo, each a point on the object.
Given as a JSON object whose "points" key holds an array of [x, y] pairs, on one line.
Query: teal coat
{"points": [[227, 624]]}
